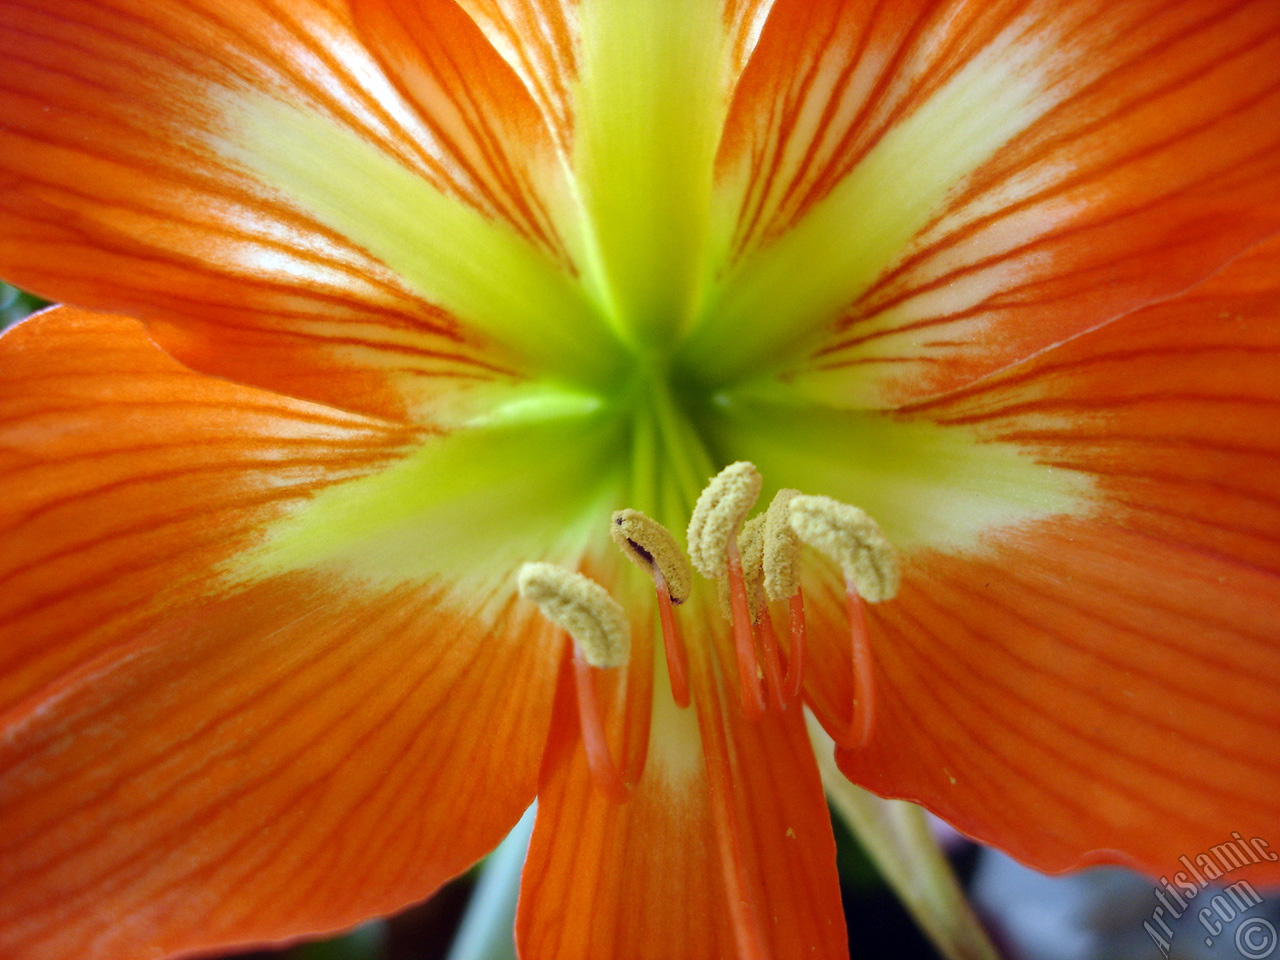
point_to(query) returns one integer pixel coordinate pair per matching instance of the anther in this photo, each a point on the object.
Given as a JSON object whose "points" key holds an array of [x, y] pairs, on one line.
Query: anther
{"points": [[713, 546], [751, 545], [850, 538], [652, 547], [781, 563], [780, 551], [595, 621], [598, 627], [871, 572], [719, 512]]}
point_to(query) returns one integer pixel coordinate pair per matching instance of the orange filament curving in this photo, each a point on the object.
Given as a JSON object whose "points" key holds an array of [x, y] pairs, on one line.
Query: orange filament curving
{"points": [[677, 668], [772, 663], [639, 710], [604, 772]]}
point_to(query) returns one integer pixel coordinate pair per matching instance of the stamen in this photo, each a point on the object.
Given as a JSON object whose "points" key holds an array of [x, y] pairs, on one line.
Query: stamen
{"points": [[751, 550], [594, 620], [651, 546], [751, 546], [741, 886], [852, 539], [713, 546], [772, 662], [781, 548], [597, 626], [718, 514], [639, 710], [864, 690], [677, 668], [871, 572], [604, 772]]}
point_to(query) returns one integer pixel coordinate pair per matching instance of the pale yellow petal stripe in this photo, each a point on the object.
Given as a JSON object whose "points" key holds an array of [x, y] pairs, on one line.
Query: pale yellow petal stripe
{"points": [[494, 281], [767, 308], [650, 105], [471, 506], [929, 487]]}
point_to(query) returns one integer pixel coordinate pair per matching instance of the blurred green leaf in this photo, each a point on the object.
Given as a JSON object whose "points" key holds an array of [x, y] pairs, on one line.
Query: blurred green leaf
{"points": [[896, 835], [15, 304], [363, 943]]}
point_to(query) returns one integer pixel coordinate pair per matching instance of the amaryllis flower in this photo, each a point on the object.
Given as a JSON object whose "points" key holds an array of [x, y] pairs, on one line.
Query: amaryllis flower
{"points": [[377, 301]]}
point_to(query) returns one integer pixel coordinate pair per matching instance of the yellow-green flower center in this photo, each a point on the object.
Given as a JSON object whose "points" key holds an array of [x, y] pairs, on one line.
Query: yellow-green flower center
{"points": [[662, 352]]}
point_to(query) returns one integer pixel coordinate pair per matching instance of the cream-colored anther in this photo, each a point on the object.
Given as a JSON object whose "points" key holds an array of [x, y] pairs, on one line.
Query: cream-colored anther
{"points": [[751, 546], [852, 539], [717, 515], [781, 548], [595, 621], [649, 544]]}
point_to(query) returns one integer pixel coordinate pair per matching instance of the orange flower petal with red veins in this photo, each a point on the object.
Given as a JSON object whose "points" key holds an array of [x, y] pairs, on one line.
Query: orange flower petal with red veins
{"points": [[828, 688], [188, 762], [1108, 678], [110, 163], [538, 39], [472, 103], [1147, 160], [126, 475], [651, 877]]}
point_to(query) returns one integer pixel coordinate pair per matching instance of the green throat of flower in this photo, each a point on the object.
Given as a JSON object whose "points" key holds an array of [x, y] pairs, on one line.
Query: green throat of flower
{"points": [[655, 347], [534, 473]]}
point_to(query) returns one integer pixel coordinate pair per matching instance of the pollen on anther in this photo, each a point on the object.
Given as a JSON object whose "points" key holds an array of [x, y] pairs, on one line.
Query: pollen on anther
{"points": [[781, 548], [595, 621], [852, 539], [751, 546], [649, 544], [719, 512]]}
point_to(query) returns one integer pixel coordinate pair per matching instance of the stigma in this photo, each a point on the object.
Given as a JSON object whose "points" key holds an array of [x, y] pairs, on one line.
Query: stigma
{"points": [[756, 564]]}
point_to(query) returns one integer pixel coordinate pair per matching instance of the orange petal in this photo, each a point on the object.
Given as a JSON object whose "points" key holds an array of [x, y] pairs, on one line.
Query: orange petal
{"points": [[109, 158], [472, 102], [538, 39], [1147, 159], [189, 763], [829, 678], [128, 475], [1101, 688], [649, 877]]}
